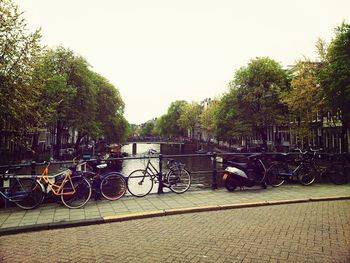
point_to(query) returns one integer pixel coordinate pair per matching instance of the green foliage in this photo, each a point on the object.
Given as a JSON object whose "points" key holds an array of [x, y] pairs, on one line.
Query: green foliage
{"points": [[80, 98], [168, 124], [68, 91], [110, 109], [189, 117], [148, 129], [335, 77], [18, 52], [161, 126], [56, 94], [258, 89], [227, 120], [304, 100], [207, 120], [39, 88]]}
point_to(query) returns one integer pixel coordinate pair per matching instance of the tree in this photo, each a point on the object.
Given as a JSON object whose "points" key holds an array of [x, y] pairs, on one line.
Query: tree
{"points": [[207, 120], [168, 124], [258, 88], [62, 82], [110, 109], [161, 126], [147, 129], [18, 52], [227, 119], [335, 78], [79, 98], [304, 100], [189, 117]]}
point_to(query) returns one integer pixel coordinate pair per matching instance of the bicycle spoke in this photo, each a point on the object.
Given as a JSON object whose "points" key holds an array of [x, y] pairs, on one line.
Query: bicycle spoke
{"points": [[113, 186], [27, 193], [140, 183], [76, 193], [178, 180]]}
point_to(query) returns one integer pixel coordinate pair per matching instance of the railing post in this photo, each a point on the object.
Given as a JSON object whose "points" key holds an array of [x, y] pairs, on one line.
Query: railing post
{"points": [[214, 184], [160, 186], [134, 148], [33, 166]]}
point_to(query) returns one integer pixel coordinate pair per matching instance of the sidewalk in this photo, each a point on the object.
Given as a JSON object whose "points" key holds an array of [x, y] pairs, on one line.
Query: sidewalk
{"points": [[51, 216]]}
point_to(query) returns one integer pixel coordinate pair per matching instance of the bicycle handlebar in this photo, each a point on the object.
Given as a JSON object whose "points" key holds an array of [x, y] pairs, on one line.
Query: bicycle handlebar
{"points": [[152, 152]]}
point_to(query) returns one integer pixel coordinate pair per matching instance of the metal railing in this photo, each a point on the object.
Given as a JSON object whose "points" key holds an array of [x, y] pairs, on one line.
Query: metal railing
{"points": [[214, 171]]}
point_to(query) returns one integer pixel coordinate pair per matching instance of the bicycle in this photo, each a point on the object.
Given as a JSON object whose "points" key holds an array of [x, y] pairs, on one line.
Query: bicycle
{"points": [[303, 172], [177, 178], [335, 169], [74, 191], [25, 192], [111, 185]]}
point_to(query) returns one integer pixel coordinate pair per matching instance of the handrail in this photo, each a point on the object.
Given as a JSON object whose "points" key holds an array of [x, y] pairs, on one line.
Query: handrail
{"points": [[213, 155]]}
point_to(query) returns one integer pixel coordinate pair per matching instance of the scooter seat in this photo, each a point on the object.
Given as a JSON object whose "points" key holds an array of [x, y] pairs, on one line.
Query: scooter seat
{"points": [[243, 165]]}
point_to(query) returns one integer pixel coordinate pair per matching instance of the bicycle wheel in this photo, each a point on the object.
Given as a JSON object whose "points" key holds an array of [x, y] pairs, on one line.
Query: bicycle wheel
{"points": [[113, 186], [338, 175], [274, 174], [27, 193], [140, 183], [178, 180], [306, 175], [76, 193]]}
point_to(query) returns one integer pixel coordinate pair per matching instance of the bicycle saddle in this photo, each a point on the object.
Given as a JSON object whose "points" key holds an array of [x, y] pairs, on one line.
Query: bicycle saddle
{"points": [[101, 166], [243, 165]]}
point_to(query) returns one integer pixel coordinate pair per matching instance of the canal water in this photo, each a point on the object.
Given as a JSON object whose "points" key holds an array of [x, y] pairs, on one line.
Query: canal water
{"points": [[199, 166]]}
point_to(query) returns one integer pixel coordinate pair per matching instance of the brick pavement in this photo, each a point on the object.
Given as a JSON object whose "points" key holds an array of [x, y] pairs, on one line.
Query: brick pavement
{"points": [[300, 232], [55, 215]]}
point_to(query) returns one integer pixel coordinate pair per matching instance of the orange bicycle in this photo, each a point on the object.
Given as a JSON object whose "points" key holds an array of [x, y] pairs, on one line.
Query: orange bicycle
{"points": [[75, 191]]}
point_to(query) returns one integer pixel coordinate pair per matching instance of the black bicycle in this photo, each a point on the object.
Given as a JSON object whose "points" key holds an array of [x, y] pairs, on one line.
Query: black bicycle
{"points": [[334, 167], [25, 192], [177, 178], [302, 170], [111, 185]]}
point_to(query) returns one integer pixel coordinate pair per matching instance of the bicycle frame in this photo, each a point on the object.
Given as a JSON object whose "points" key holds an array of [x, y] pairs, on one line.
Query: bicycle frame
{"points": [[55, 188], [154, 172], [4, 195], [263, 165], [293, 172], [151, 169]]}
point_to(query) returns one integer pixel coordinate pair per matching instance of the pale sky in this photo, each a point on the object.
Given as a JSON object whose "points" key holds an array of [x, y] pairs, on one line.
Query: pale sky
{"points": [[159, 51]]}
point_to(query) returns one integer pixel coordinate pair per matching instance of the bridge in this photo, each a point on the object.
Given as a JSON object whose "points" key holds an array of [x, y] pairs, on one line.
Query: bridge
{"points": [[161, 141]]}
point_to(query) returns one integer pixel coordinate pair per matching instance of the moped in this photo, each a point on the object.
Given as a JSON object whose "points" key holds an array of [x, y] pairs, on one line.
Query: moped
{"points": [[247, 174]]}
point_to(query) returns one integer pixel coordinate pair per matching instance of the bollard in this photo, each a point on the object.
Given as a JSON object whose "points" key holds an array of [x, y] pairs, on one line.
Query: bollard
{"points": [[134, 149], [214, 184], [182, 148], [33, 166], [160, 186]]}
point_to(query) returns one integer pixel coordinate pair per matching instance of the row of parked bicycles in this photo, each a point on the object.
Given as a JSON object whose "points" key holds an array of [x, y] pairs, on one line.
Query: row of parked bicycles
{"points": [[299, 166], [75, 186]]}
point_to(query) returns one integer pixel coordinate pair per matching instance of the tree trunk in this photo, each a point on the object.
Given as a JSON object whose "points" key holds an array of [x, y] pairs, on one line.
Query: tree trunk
{"points": [[35, 142], [77, 143], [58, 139]]}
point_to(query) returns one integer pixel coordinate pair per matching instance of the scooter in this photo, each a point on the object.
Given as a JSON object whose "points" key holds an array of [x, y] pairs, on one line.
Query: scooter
{"points": [[247, 174]]}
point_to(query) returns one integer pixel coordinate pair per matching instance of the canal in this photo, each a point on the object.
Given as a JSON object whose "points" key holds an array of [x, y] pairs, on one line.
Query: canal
{"points": [[200, 166]]}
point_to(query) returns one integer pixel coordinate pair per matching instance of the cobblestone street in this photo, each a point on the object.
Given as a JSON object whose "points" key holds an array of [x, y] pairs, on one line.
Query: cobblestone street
{"points": [[303, 232]]}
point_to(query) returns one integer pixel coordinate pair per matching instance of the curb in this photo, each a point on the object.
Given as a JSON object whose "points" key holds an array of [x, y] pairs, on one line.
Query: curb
{"points": [[159, 213], [50, 226]]}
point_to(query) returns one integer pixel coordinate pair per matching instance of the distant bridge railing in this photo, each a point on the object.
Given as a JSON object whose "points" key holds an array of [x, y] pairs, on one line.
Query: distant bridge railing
{"points": [[158, 140]]}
